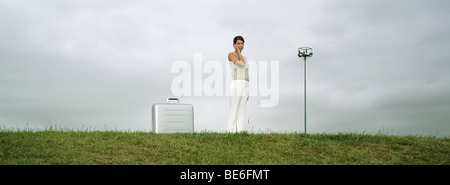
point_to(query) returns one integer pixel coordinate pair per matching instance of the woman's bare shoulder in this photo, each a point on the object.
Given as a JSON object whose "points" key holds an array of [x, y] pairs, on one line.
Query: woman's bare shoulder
{"points": [[231, 56]]}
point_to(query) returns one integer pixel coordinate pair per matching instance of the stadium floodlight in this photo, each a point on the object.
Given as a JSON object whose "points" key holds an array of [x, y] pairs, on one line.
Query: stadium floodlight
{"points": [[305, 53]]}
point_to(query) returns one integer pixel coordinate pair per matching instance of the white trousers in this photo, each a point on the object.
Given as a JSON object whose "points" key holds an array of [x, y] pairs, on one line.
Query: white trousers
{"points": [[238, 102]]}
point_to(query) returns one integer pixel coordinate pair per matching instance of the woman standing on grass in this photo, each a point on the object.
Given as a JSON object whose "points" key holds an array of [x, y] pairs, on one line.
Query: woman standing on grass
{"points": [[238, 86]]}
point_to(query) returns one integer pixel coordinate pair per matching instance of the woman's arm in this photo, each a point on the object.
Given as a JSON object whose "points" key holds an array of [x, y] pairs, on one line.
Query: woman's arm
{"points": [[238, 61], [234, 59]]}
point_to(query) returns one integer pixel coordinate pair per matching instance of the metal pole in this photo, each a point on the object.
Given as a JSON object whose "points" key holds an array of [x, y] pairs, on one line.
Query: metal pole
{"points": [[305, 52], [305, 89]]}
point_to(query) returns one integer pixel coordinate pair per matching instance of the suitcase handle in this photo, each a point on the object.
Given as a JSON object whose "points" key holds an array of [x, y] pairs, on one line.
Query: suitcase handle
{"points": [[168, 99]]}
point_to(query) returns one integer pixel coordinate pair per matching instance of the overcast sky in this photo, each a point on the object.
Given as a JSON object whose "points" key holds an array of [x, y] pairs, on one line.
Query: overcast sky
{"points": [[378, 65]]}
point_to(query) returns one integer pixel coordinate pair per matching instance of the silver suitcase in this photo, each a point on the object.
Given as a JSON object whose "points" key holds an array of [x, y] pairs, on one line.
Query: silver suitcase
{"points": [[172, 117]]}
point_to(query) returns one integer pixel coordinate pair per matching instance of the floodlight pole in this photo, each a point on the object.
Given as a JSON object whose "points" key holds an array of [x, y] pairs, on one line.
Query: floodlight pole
{"points": [[304, 77], [305, 52]]}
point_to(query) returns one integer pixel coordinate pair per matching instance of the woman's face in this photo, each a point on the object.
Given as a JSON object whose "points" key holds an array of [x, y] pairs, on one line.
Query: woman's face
{"points": [[240, 44]]}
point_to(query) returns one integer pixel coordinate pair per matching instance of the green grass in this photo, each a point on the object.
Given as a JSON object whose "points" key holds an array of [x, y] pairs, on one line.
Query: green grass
{"points": [[113, 147]]}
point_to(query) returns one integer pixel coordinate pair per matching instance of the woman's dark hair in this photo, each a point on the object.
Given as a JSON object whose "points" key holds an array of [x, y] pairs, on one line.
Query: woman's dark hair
{"points": [[238, 38]]}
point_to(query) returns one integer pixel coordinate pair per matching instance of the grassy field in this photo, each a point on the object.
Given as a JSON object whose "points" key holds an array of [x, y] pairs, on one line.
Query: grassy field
{"points": [[112, 147]]}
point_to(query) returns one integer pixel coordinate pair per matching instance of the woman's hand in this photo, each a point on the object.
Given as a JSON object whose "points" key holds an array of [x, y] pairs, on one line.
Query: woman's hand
{"points": [[236, 48]]}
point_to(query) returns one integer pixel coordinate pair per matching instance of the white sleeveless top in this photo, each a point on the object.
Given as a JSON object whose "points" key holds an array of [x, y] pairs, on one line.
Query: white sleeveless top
{"points": [[239, 72]]}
